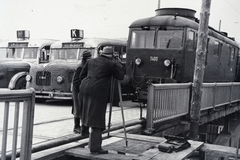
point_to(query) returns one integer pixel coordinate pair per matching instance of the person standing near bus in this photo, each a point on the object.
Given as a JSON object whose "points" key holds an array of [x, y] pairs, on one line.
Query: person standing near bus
{"points": [[76, 111], [94, 95]]}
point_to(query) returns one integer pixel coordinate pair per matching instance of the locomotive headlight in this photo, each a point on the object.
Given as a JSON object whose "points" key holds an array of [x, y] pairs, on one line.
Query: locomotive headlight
{"points": [[28, 78], [59, 79], [167, 63], [138, 61]]}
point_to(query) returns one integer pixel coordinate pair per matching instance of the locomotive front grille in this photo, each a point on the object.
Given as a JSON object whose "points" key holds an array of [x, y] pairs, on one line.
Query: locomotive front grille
{"points": [[43, 78]]}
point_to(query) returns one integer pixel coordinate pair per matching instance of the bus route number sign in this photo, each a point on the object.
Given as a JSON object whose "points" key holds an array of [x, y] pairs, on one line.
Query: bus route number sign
{"points": [[76, 33]]}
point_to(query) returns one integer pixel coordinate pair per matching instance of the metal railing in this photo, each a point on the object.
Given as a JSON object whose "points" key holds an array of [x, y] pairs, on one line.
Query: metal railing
{"points": [[18, 97], [166, 101]]}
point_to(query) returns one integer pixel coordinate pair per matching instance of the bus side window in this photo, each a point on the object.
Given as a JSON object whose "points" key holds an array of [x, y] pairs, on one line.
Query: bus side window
{"points": [[100, 49], [42, 54], [118, 50]]}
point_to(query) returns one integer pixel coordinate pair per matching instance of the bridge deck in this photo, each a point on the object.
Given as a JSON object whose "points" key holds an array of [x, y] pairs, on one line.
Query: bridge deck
{"points": [[139, 147]]}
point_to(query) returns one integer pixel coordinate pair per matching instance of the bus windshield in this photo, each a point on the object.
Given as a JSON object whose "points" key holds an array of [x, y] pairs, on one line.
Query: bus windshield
{"points": [[164, 39], [30, 53], [15, 53], [3, 53], [66, 54]]}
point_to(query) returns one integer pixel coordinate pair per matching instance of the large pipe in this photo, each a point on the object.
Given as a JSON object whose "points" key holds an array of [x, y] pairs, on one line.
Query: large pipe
{"points": [[159, 4]]}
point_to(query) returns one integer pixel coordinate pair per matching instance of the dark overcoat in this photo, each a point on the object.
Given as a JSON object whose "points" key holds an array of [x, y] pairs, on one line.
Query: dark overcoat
{"points": [[95, 89], [75, 90]]}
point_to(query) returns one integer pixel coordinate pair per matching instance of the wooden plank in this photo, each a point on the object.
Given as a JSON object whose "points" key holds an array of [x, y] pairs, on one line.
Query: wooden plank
{"points": [[147, 155], [142, 138], [134, 146], [155, 154], [54, 152], [111, 140], [220, 150], [84, 153]]}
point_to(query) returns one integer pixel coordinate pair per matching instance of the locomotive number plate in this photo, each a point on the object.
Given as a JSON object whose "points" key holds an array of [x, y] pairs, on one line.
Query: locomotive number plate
{"points": [[153, 58]]}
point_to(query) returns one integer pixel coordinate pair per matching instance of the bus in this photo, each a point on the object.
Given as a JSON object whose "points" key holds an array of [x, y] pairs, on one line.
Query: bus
{"points": [[54, 80], [162, 49], [19, 56]]}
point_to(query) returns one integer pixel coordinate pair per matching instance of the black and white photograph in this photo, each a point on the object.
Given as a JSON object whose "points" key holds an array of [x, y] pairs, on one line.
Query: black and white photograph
{"points": [[119, 80]]}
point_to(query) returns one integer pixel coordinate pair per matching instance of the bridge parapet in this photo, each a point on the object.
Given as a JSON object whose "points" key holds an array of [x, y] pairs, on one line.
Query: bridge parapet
{"points": [[18, 98]]}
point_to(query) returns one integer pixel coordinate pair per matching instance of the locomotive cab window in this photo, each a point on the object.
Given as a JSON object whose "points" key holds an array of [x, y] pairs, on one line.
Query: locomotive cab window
{"points": [[190, 43], [142, 39], [170, 38]]}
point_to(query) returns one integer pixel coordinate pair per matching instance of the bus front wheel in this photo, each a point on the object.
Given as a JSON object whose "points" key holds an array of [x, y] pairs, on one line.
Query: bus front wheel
{"points": [[21, 83]]}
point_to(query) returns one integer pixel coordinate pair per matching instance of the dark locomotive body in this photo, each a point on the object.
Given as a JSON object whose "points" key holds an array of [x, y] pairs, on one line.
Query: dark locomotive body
{"points": [[162, 49]]}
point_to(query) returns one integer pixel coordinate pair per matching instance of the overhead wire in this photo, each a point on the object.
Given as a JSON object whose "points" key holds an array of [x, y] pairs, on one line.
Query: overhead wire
{"points": [[232, 7]]}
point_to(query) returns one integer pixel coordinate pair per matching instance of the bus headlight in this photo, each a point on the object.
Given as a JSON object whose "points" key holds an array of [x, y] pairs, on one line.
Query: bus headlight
{"points": [[138, 61], [167, 63], [59, 79], [28, 78]]}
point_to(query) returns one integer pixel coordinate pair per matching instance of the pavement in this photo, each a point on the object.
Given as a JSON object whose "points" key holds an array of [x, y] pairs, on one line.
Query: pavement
{"points": [[58, 125]]}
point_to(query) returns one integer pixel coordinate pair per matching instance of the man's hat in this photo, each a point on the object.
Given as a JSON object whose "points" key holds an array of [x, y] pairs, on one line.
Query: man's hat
{"points": [[86, 54], [107, 51]]}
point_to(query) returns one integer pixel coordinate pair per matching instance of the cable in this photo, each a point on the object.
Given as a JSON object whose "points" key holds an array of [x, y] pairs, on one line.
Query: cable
{"points": [[232, 7]]}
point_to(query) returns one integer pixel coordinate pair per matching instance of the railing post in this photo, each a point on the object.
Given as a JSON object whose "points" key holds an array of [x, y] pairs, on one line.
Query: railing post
{"points": [[214, 96], [5, 129], [15, 130], [27, 128], [190, 99], [150, 106], [230, 98]]}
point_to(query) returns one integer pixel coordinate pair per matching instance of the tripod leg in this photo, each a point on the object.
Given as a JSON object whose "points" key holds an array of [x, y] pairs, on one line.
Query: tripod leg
{"points": [[121, 104], [111, 104]]}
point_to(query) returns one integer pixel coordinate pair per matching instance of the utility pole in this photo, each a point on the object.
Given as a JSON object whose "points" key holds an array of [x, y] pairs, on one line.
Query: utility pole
{"points": [[199, 69]]}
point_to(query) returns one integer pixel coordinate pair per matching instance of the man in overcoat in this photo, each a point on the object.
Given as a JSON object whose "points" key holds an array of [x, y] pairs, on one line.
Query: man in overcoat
{"points": [[94, 95], [76, 110]]}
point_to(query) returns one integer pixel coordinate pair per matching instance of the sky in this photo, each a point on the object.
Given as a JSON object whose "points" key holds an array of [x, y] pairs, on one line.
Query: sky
{"points": [[53, 19]]}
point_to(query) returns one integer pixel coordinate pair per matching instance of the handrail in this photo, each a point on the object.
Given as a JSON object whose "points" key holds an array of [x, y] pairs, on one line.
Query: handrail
{"points": [[166, 101], [27, 97]]}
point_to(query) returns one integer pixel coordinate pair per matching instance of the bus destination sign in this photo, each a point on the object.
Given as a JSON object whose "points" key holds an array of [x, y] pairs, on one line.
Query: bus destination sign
{"points": [[17, 44], [72, 45]]}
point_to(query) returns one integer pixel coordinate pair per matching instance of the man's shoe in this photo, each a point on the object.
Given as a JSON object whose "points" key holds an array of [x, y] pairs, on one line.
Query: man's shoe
{"points": [[77, 130], [85, 134], [100, 151]]}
